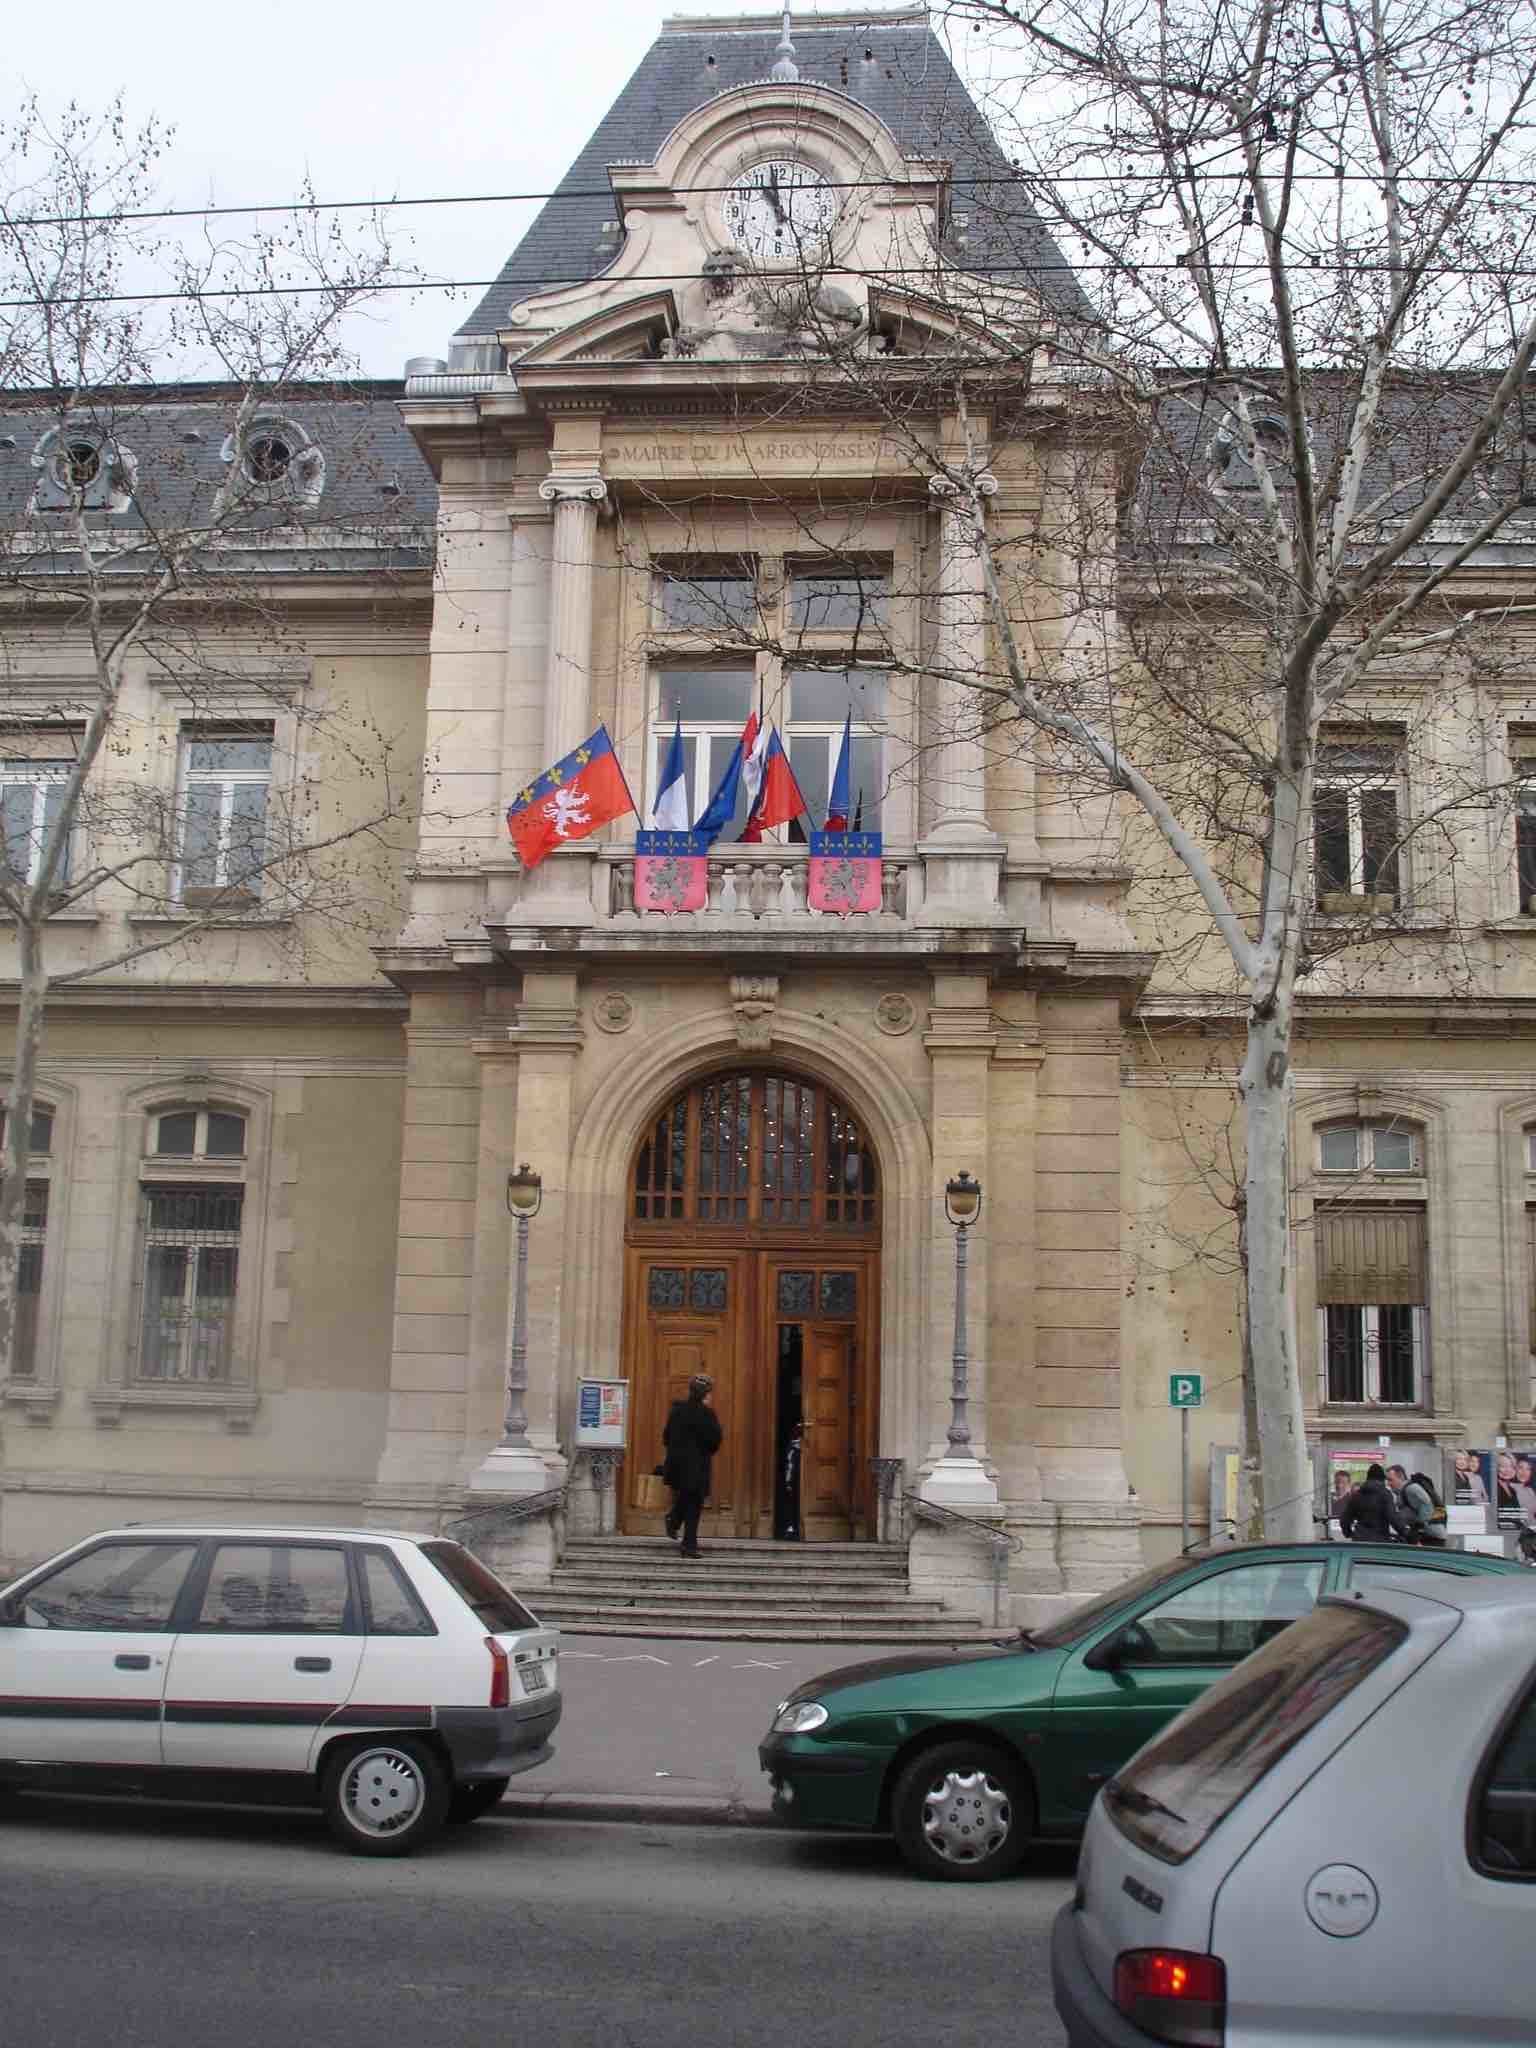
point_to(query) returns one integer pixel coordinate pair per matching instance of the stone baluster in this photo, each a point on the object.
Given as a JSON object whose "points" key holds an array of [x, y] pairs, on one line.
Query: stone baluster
{"points": [[799, 887], [890, 888], [576, 498], [623, 897], [715, 887]]}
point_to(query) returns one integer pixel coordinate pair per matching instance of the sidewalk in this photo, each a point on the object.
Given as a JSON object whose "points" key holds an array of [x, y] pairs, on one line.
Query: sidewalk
{"points": [[667, 1730]]}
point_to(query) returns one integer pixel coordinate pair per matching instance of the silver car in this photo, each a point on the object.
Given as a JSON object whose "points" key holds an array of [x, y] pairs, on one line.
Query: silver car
{"points": [[1336, 1843]]}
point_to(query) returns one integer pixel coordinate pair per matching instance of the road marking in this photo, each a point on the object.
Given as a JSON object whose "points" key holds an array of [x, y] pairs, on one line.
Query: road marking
{"points": [[699, 1666], [757, 1664]]}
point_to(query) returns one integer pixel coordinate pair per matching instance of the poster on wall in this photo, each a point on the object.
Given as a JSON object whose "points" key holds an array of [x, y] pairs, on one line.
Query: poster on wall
{"points": [[1506, 1479], [1346, 1470], [1223, 1474]]}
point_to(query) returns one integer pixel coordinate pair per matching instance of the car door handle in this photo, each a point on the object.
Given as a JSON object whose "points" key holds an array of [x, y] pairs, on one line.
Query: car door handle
{"points": [[131, 1663], [311, 1663]]}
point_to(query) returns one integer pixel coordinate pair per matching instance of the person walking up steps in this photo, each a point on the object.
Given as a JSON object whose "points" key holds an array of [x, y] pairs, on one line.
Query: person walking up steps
{"points": [[691, 1439]]}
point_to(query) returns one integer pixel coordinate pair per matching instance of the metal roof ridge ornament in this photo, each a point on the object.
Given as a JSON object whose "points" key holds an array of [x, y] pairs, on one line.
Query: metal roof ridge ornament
{"points": [[786, 71]]}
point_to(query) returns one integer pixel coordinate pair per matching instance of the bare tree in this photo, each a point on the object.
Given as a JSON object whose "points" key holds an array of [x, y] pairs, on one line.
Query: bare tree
{"points": [[1227, 523], [170, 414]]}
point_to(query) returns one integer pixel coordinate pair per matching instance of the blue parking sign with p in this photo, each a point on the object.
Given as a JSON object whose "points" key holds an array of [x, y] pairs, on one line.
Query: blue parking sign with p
{"points": [[1186, 1389]]}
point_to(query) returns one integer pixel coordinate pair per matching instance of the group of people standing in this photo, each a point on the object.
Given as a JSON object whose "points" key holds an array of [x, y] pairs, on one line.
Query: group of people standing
{"points": [[1389, 1505]]}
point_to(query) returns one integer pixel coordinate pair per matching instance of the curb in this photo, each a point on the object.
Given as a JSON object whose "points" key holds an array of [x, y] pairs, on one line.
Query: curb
{"points": [[631, 1806]]}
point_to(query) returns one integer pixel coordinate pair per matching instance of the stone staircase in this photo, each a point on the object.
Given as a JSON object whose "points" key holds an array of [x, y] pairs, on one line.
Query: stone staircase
{"points": [[743, 1590]]}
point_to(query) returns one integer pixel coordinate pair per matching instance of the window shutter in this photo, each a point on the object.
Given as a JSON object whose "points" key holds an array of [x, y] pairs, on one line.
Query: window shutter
{"points": [[1374, 1256]]}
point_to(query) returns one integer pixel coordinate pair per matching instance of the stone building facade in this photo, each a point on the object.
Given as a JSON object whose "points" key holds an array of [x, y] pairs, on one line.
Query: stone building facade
{"points": [[743, 1117]]}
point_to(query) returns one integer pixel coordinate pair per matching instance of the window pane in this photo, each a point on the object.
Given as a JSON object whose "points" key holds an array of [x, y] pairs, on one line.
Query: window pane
{"points": [[1525, 850], [226, 1134], [1378, 829], [707, 600], [820, 696], [1344, 1346], [276, 1589], [247, 848], [121, 1585], [229, 753], [1331, 811], [41, 1138], [1506, 1806], [489, 1600], [811, 758], [1394, 1334], [393, 1607], [846, 598], [53, 806], [1392, 1150], [705, 696], [1229, 1616], [177, 1132], [865, 781], [17, 802], [1341, 1148], [200, 837], [721, 746], [165, 1284], [29, 1287]]}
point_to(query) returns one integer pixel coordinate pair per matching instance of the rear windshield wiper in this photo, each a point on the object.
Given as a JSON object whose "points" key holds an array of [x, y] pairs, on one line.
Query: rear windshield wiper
{"points": [[1136, 1801]]}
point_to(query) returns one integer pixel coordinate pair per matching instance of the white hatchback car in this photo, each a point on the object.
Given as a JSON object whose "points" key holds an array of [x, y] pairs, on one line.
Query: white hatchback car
{"points": [[391, 1680], [1335, 1844]]}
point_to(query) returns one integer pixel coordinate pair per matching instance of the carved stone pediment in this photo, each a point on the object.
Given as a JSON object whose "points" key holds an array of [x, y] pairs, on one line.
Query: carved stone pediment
{"points": [[753, 998]]}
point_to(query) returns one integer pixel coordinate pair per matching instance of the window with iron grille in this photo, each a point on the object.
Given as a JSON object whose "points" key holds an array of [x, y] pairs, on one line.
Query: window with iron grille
{"points": [[226, 776], [1372, 1303], [191, 1266]]}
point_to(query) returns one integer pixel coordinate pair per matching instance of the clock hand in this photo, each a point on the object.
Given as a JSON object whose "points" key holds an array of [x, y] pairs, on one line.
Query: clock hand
{"points": [[772, 189]]}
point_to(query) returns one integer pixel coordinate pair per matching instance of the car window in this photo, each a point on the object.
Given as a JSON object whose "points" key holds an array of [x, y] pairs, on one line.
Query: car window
{"points": [[1504, 1803], [481, 1589], [393, 1608], [1396, 1578], [1171, 1794], [1082, 1621], [119, 1585], [1226, 1616], [276, 1589]]}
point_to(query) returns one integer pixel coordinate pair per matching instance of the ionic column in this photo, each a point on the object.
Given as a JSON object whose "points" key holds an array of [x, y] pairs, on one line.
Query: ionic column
{"points": [[961, 648], [567, 697]]}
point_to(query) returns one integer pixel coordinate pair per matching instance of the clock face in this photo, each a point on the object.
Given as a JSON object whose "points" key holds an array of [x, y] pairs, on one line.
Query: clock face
{"points": [[779, 212]]}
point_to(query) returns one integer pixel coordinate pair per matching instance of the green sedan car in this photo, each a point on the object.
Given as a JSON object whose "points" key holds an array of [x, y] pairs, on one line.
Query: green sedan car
{"points": [[965, 1756]]}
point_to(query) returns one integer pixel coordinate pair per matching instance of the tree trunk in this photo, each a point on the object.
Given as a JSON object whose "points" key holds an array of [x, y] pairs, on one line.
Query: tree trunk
{"points": [[1283, 1462], [32, 997]]}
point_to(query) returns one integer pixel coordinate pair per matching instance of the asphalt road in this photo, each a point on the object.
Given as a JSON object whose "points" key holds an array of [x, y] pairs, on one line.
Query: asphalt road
{"points": [[143, 1927]]}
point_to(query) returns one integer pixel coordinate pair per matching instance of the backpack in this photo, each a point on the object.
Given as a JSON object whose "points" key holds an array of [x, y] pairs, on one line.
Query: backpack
{"points": [[1436, 1504]]}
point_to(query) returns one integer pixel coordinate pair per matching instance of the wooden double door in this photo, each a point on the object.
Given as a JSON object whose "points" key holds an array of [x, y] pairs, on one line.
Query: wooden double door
{"points": [[790, 1339]]}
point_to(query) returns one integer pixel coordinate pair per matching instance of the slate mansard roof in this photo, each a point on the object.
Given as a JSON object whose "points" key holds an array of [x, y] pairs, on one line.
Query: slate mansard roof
{"points": [[369, 488], [892, 64]]}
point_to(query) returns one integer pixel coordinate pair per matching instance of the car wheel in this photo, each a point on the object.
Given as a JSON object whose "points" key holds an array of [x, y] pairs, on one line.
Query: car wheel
{"points": [[386, 1797], [963, 1812], [468, 1802]]}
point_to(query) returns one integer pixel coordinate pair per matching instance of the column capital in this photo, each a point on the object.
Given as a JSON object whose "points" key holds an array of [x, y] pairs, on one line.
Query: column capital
{"points": [[970, 483], [585, 485]]}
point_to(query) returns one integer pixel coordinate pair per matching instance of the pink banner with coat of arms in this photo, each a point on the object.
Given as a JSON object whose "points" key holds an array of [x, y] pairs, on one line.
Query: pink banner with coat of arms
{"points": [[845, 873], [671, 872]]}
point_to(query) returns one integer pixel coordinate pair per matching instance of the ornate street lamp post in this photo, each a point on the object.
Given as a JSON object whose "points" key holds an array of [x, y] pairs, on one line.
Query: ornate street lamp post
{"points": [[962, 1205], [525, 1192], [959, 1480]]}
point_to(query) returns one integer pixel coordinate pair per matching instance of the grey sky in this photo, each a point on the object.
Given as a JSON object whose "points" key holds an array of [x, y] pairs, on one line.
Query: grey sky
{"points": [[371, 102]]}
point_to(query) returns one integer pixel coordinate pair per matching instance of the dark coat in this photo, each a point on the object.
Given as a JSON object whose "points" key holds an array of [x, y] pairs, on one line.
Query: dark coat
{"points": [[691, 1437], [1372, 1515]]}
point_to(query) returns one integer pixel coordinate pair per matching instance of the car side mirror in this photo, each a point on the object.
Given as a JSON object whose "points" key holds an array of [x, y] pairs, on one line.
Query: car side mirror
{"points": [[1107, 1655], [13, 1612]]}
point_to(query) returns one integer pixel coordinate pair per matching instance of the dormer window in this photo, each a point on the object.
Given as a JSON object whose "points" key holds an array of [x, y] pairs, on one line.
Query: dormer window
{"points": [[82, 468], [267, 459], [280, 463]]}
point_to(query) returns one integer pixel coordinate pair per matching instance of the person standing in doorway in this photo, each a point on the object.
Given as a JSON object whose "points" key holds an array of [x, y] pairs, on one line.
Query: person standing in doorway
{"points": [[691, 1439]]}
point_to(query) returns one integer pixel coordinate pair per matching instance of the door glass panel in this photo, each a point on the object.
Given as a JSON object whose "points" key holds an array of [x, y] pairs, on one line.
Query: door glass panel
{"points": [[839, 1294], [797, 1294], [275, 1588], [706, 1289], [119, 1586], [1504, 1812], [664, 1287], [1228, 1616]]}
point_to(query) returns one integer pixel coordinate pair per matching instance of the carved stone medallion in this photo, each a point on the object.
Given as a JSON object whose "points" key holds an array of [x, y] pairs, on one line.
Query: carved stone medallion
{"points": [[895, 1015], [613, 1012]]}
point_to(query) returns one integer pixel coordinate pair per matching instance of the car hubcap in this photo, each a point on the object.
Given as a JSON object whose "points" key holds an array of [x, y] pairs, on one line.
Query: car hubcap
{"points": [[967, 1816], [382, 1792]]}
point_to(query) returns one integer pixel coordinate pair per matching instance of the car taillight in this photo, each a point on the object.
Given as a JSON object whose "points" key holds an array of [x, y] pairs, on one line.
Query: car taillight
{"points": [[1174, 1994], [501, 1674]]}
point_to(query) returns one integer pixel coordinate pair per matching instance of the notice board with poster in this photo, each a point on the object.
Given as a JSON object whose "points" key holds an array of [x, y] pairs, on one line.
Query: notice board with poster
{"points": [[602, 1414]]}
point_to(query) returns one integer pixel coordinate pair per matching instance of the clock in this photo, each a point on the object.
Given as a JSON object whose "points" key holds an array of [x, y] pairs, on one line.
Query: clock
{"points": [[779, 212]]}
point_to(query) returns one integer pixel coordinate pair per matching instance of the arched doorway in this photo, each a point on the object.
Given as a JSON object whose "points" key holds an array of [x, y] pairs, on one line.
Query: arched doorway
{"points": [[753, 1254]]}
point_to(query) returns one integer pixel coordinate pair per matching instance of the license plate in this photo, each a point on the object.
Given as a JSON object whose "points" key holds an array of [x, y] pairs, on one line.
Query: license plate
{"points": [[535, 1678]]}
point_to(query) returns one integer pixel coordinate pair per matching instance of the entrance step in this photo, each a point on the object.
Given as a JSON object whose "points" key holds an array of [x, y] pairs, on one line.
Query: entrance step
{"points": [[744, 1590]]}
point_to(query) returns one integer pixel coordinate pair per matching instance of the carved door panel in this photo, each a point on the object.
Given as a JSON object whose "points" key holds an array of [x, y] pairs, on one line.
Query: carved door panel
{"points": [[686, 1315], [827, 1475]]}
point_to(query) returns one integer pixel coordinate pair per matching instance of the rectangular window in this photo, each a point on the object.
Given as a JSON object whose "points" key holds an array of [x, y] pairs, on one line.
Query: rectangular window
{"points": [[277, 1589], [819, 701], [226, 776], [713, 705], [29, 1283], [1355, 806], [1372, 1290], [848, 598], [1371, 1353], [34, 768], [712, 594], [1385, 1148], [1525, 847], [191, 1266]]}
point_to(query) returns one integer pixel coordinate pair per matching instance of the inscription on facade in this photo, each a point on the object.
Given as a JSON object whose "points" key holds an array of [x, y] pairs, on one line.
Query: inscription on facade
{"points": [[750, 454]]}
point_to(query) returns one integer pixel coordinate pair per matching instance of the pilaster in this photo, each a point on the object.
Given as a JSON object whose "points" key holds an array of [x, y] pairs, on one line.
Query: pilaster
{"points": [[962, 855], [576, 489]]}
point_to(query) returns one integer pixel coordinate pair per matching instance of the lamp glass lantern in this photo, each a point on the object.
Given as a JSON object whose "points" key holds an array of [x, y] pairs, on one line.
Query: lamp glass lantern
{"points": [[962, 1199]]}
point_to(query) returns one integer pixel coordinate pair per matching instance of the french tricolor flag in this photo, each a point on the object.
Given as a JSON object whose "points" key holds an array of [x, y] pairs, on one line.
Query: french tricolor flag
{"points": [[670, 812], [772, 791]]}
